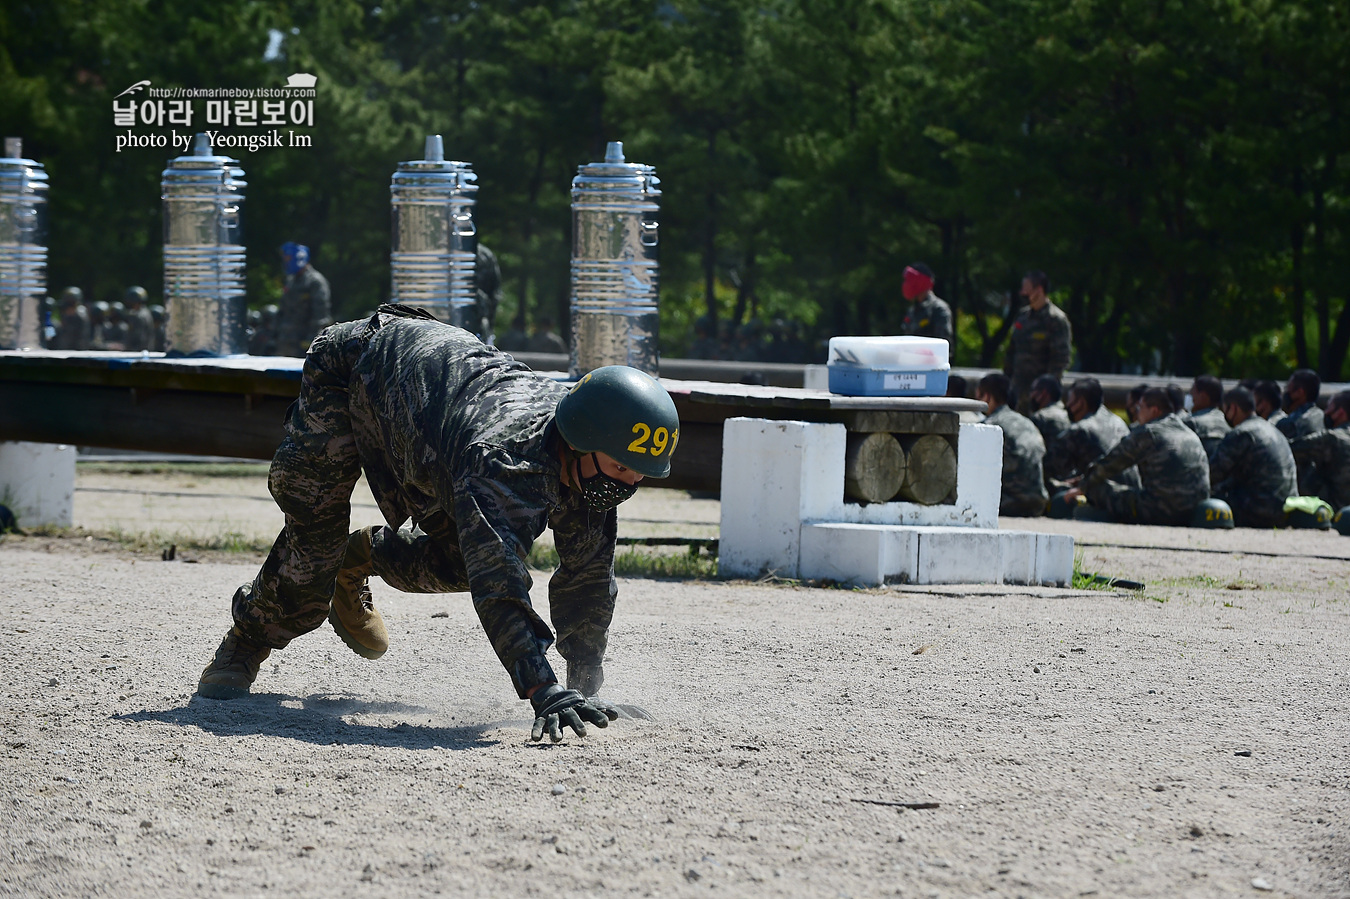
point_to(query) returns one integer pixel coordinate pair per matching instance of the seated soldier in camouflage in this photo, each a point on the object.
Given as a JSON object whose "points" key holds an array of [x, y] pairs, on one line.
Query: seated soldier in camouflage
{"points": [[1267, 396], [1094, 433], [1252, 468], [1023, 492], [1049, 415], [1323, 457], [1173, 469], [1207, 420], [1304, 417], [481, 454]]}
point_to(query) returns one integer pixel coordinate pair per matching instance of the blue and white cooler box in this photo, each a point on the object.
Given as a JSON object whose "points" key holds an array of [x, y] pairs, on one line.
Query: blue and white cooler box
{"points": [[888, 366]]}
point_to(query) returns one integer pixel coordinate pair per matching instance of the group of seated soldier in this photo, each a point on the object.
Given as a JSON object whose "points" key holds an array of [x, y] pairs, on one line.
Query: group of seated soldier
{"points": [[1252, 448]]}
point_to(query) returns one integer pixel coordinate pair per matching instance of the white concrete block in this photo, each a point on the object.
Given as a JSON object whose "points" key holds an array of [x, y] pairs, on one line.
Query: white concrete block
{"points": [[863, 555], [37, 482], [816, 377], [959, 556], [775, 474], [1054, 559], [1019, 550]]}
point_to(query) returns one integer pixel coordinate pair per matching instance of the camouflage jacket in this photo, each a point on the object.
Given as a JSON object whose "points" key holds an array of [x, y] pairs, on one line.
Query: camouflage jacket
{"points": [[1023, 490], [1255, 461], [928, 317], [1329, 452], [140, 329], [1041, 343], [445, 423], [1052, 421], [1306, 419], [1276, 417], [1086, 441], [1173, 468], [306, 309], [1210, 426]]}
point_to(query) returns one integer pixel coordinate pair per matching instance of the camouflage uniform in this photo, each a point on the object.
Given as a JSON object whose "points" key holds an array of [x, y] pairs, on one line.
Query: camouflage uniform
{"points": [[75, 331], [1325, 456], [461, 440], [306, 309], [1052, 421], [928, 317], [1023, 492], [1210, 426], [1173, 469], [1252, 469], [1276, 417], [487, 284], [1306, 419], [1041, 343], [140, 329], [1084, 443]]}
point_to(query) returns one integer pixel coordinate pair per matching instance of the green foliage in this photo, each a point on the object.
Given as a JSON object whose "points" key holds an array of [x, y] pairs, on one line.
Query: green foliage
{"points": [[1180, 169], [634, 562]]}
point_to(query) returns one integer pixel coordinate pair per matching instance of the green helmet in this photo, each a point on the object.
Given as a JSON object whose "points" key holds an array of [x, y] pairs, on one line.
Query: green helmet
{"points": [[1213, 513], [1341, 521], [625, 414], [1060, 507], [1308, 512]]}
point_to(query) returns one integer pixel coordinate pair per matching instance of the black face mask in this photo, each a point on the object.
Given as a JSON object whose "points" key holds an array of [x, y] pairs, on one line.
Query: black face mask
{"points": [[602, 492]]}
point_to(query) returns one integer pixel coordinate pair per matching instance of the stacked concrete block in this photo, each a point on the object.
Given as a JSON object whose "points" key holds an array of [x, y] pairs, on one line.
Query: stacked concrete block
{"points": [[784, 513]]}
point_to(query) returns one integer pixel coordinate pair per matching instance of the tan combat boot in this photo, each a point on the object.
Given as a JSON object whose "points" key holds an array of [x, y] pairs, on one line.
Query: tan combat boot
{"points": [[353, 613], [234, 668]]}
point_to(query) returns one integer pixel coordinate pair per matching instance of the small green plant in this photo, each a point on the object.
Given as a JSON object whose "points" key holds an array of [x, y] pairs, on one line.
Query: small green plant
{"points": [[636, 562], [1086, 580]]}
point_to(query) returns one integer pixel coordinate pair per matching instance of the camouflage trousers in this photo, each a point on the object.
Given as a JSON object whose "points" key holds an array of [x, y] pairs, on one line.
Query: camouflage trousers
{"points": [[1132, 505], [311, 478], [1253, 511]]}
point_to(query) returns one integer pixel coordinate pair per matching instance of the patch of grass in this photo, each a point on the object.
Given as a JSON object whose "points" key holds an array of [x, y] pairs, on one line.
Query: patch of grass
{"points": [[1086, 580], [157, 541], [635, 562], [199, 469], [684, 566], [1195, 580]]}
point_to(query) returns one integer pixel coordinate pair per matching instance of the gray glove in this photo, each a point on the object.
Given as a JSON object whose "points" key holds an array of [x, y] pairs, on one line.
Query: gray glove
{"points": [[556, 708]]}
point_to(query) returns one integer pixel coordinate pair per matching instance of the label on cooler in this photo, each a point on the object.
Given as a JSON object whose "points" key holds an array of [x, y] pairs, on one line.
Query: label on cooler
{"points": [[906, 381]]}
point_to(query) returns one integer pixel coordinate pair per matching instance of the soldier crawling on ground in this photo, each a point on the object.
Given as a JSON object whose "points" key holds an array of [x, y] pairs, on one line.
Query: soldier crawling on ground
{"points": [[1023, 483], [1251, 467], [1173, 469], [1094, 433], [481, 454], [1048, 415]]}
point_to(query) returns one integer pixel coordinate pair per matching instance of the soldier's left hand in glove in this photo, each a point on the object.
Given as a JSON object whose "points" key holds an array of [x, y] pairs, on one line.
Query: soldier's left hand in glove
{"points": [[556, 707]]}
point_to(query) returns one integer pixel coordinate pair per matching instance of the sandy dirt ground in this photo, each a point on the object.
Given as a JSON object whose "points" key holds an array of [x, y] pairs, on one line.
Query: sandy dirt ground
{"points": [[1190, 739]]}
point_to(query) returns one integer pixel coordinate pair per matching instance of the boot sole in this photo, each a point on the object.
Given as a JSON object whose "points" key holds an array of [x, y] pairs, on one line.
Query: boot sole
{"points": [[221, 691], [352, 643]]}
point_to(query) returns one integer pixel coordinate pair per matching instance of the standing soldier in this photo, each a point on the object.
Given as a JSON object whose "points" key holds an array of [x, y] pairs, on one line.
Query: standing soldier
{"points": [[140, 323], [1173, 469], [487, 283], [1041, 341], [928, 316], [1094, 433], [305, 305], [1323, 457], [1048, 415], [1023, 491], [1207, 419], [481, 454], [1251, 468], [75, 331], [1304, 417]]}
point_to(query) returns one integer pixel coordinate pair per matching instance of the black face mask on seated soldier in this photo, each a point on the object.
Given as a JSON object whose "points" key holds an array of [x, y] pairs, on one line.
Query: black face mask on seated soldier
{"points": [[603, 492]]}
